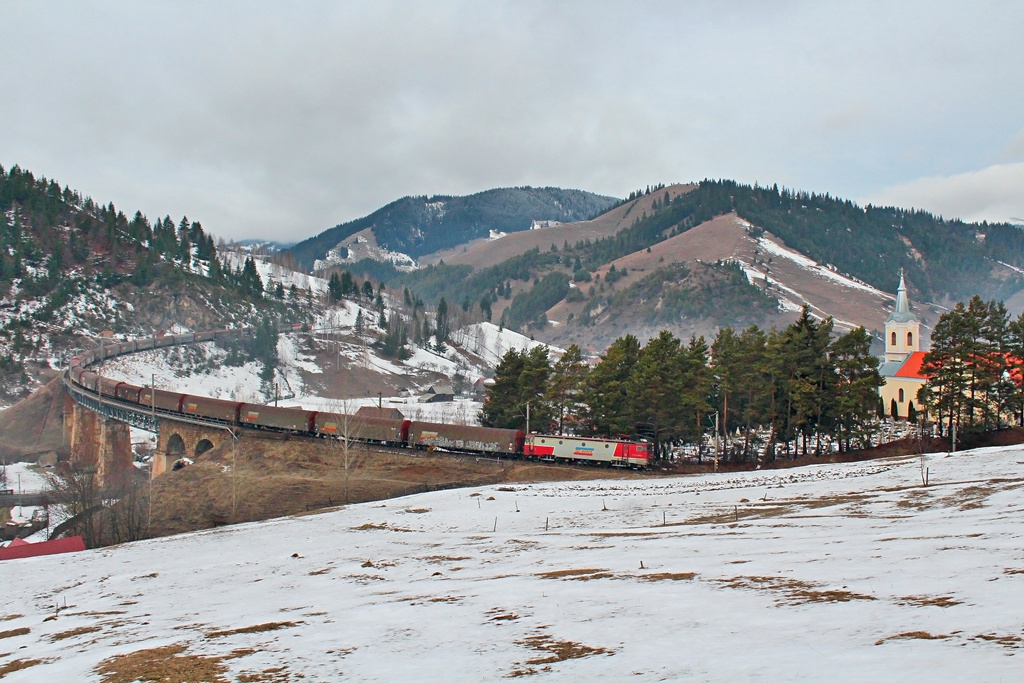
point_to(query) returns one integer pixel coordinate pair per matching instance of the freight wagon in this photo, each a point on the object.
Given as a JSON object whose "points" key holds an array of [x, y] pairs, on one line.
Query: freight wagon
{"points": [[465, 438], [372, 429], [276, 418]]}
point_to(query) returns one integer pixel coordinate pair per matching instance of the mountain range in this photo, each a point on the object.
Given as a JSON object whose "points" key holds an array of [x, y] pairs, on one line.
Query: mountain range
{"points": [[562, 266]]}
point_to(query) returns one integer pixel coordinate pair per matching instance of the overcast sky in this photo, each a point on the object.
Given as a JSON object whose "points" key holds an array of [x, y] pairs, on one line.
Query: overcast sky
{"points": [[279, 120]]}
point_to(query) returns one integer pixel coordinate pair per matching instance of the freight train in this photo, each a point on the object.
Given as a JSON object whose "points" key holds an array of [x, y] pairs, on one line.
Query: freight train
{"points": [[378, 430]]}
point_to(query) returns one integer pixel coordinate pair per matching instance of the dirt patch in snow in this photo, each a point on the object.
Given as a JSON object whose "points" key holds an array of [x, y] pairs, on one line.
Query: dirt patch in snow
{"points": [[912, 635], [18, 665], [257, 628], [80, 631], [553, 651], [793, 591], [577, 574], [926, 601], [668, 576], [168, 663], [15, 632]]}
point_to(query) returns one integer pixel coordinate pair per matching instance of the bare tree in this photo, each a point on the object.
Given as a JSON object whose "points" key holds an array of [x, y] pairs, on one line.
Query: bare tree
{"points": [[128, 518], [78, 493]]}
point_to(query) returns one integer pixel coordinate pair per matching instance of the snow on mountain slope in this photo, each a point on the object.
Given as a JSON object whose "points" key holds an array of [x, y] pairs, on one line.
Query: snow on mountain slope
{"points": [[362, 245], [489, 342], [200, 368], [850, 572], [272, 272]]}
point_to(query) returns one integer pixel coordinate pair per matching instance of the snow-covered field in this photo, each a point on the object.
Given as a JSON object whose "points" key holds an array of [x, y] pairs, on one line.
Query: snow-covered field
{"points": [[838, 572]]}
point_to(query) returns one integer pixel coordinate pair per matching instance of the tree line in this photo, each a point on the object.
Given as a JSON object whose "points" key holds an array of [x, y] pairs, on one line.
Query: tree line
{"points": [[770, 390], [975, 368]]}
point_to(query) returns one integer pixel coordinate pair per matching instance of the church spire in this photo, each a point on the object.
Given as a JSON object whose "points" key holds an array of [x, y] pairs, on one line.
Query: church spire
{"points": [[901, 313]]}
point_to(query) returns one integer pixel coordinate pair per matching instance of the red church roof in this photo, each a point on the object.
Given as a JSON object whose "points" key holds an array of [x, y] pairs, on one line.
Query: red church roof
{"points": [[911, 367]]}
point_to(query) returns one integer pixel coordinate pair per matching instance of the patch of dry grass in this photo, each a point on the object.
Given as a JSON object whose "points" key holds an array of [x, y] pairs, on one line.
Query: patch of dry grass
{"points": [[81, 630], [793, 591], [440, 559], [274, 674], [912, 635], [501, 615], [559, 650], [256, 628], [926, 601], [969, 497], [18, 665], [383, 526], [11, 617], [1009, 641], [577, 574], [668, 576], [15, 632], [159, 664]]}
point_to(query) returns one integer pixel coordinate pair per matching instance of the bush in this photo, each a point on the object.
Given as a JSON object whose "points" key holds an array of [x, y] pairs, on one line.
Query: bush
{"points": [[575, 294], [581, 275]]}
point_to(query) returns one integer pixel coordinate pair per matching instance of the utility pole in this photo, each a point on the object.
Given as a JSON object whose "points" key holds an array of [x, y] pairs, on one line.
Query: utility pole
{"points": [[156, 444], [527, 417], [716, 441]]}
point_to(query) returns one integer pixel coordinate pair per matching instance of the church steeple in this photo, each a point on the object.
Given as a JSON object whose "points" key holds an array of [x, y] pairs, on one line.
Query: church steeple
{"points": [[902, 312], [902, 329]]}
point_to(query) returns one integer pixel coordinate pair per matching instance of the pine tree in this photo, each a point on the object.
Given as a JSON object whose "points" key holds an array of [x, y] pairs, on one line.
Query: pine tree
{"points": [[565, 388], [607, 396], [334, 287], [442, 326], [856, 391], [654, 389]]}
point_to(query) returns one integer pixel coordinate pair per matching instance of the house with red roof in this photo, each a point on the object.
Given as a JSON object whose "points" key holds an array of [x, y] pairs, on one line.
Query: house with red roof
{"points": [[901, 369], [20, 548]]}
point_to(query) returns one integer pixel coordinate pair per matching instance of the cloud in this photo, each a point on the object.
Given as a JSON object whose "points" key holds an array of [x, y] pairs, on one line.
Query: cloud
{"points": [[995, 194], [279, 120]]}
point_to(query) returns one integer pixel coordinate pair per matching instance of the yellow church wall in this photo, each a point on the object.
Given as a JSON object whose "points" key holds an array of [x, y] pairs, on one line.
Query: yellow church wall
{"points": [[891, 390]]}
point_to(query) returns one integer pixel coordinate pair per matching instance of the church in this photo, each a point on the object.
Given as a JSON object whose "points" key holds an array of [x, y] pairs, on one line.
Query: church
{"points": [[901, 369]]}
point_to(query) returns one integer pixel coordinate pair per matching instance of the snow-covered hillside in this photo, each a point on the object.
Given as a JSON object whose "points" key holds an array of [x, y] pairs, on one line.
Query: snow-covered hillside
{"points": [[840, 572], [200, 369]]}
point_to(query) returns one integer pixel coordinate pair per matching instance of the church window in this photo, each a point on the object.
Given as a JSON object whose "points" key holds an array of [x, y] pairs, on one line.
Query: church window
{"points": [[901, 396], [910, 338], [893, 343]]}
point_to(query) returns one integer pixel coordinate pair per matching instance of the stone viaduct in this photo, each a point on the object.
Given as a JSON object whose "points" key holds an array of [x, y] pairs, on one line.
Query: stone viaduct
{"points": [[97, 427], [101, 439]]}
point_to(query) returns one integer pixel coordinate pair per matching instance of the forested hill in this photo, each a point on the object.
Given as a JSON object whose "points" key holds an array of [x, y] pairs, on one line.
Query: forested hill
{"points": [[72, 268], [942, 258], [420, 225]]}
